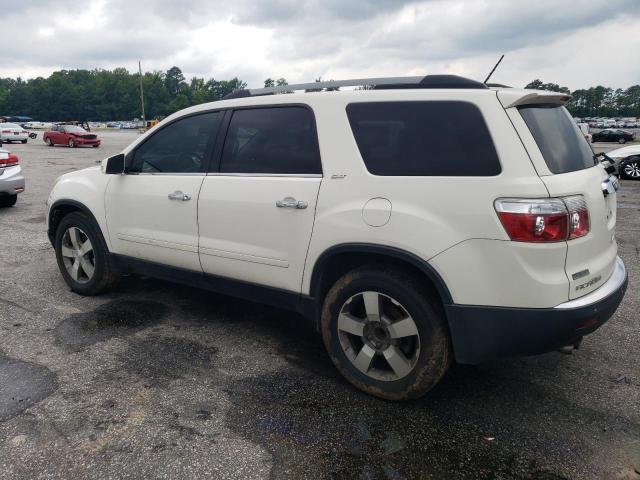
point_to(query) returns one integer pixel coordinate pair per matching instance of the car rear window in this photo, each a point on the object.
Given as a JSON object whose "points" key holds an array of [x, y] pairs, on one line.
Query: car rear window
{"points": [[561, 143], [428, 138]]}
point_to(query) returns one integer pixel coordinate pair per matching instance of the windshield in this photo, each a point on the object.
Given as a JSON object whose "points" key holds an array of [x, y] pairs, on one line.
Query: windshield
{"points": [[9, 125], [74, 129], [561, 143]]}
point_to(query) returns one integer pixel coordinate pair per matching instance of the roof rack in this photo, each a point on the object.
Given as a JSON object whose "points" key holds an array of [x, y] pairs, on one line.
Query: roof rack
{"points": [[386, 83]]}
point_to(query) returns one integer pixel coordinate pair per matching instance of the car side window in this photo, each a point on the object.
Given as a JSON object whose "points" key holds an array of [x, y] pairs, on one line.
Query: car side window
{"points": [[180, 147], [275, 140]]}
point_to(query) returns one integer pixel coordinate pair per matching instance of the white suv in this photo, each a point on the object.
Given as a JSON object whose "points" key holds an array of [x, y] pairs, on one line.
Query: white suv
{"points": [[415, 221]]}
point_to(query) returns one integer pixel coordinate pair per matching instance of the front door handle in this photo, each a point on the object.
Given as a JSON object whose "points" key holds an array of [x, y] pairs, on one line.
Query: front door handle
{"points": [[290, 202], [178, 195]]}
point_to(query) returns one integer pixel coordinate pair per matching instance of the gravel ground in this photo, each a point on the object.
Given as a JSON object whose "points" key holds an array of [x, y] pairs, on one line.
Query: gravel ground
{"points": [[156, 380]]}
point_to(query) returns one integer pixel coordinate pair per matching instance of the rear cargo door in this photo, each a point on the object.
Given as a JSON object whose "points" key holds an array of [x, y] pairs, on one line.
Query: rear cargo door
{"points": [[565, 162]]}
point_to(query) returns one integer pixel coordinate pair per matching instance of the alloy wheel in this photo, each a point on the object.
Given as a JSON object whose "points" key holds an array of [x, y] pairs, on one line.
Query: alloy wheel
{"points": [[632, 170], [378, 336], [77, 255]]}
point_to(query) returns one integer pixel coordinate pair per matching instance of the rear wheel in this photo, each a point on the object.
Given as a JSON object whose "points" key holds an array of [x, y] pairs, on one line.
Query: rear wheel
{"points": [[71, 143], [622, 140], [24, 141], [83, 256], [96, 146], [631, 168], [385, 334], [8, 200]]}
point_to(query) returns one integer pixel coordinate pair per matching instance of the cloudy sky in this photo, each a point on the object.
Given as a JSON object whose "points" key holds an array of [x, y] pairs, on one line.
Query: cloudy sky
{"points": [[577, 43]]}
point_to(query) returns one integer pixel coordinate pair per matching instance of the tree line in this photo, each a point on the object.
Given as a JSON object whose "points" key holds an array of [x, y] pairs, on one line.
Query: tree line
{"points": [[115, 95], [108, 94], [597, 101]]}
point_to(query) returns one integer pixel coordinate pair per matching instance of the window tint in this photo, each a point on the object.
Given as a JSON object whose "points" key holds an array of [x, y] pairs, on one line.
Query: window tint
{"points": [[435, 138], [271, 140], [562, 145], [178, 148]]}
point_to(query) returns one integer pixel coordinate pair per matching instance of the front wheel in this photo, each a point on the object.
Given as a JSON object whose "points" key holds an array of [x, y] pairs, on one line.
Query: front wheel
{"points": [[385, 333], [71, 143], [24, 141], [48, 141], [83, 256], [622, 141], [631, 169]]}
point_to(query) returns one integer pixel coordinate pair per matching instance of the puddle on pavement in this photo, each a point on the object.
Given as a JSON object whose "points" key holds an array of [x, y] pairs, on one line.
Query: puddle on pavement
{"points": [[113, 319], [22, 385]]}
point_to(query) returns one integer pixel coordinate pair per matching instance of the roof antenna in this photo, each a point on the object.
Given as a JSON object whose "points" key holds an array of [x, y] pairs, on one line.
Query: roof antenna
{"points": [[493, 70]]}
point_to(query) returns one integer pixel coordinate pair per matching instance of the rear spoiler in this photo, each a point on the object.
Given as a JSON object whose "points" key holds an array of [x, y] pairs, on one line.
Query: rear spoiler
{"points": [[516, 98]]}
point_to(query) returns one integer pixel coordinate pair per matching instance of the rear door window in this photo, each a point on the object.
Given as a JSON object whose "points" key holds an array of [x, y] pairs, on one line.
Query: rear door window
{"points": [[429, 138], [275, 140], [562, 145]]}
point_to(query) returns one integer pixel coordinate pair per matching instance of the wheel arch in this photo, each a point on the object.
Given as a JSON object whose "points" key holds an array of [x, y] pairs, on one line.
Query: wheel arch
{"points": [[339, 259], [59, 209]]}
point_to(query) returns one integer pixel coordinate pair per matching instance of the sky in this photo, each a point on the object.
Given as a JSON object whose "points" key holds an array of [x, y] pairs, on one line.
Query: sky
{"points": [[575, 43]]}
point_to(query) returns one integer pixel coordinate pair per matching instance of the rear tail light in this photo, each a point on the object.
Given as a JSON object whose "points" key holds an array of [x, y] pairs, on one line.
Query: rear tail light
{"points": [[12, 161], [543, 220], [6, 131], [578, 216]]}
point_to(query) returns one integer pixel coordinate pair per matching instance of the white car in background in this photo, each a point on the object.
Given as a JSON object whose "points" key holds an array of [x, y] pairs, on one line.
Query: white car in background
{"points": [[627, 160], [11, 132]]}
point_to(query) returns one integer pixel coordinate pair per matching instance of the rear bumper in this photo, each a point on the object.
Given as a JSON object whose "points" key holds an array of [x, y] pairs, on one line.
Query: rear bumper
{"points": [[11, 181], [480, 333]]}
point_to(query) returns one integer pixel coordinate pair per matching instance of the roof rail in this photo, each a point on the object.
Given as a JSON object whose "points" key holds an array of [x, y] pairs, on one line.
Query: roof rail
{"points": [[386, 83]]}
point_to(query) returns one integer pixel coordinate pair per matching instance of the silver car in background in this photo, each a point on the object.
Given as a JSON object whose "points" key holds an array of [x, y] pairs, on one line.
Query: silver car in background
{"points": [[12, 132], [11, 178]]}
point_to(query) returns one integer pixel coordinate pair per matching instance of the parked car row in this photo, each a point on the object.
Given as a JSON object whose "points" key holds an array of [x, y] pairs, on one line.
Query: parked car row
{"points": [[614, 124]]}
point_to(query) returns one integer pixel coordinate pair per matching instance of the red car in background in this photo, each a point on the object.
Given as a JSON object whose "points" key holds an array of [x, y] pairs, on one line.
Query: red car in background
{"points": [[70, 135]]}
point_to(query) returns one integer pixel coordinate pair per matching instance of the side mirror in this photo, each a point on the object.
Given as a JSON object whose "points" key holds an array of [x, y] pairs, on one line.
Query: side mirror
{"points": [[115, 165]]}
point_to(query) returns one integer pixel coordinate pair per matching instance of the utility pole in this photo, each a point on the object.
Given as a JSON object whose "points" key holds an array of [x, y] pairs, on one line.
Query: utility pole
{"points": [[144, 119]]}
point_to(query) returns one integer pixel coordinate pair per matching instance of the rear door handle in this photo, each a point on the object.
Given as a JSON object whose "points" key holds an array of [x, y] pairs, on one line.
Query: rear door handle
{"points": [[290, 202], [178, 195]]}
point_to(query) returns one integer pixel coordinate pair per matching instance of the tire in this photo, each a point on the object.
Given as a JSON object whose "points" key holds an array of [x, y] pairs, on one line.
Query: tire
{"points": [[631, 169], [424, 346], [95, 146], [622, 141], [71, 143], [48, 141], [24, 141], [7, 201], [85, 282]]}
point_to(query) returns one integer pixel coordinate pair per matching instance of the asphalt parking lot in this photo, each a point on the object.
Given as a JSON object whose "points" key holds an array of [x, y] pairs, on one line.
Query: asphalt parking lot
{"points": [[156, 380]]}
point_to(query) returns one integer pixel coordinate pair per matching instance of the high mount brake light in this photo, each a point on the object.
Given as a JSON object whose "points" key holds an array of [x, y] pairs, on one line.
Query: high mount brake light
{"points": [[543, 220]]}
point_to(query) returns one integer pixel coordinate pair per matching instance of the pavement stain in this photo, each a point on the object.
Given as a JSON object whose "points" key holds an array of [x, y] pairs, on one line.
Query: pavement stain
{"points": [[22, 385], [117, 318], [157, 359]]}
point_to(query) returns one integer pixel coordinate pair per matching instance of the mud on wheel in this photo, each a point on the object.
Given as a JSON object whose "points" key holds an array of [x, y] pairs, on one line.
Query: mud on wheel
{"points": [[385, 333]]}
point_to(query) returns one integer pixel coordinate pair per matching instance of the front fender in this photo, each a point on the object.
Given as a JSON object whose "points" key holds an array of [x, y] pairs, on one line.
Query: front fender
{"points": [[83, 190]]}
